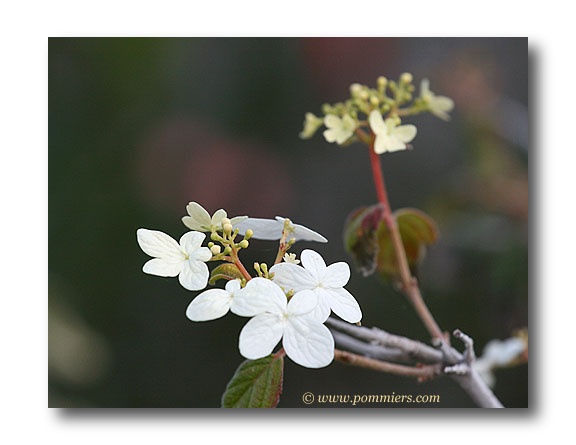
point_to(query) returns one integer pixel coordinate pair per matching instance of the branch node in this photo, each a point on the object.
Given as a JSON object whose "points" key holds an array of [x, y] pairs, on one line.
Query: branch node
{"points": [[469, 355]]}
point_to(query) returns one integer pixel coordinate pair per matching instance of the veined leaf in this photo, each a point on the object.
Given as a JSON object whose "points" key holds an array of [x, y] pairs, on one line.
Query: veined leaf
{"points": [[255, 384], [225, 271]]}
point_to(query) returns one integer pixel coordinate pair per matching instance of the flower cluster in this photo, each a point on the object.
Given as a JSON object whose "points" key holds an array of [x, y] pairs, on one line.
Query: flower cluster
{"points": [[287, 303], [373, 115]]}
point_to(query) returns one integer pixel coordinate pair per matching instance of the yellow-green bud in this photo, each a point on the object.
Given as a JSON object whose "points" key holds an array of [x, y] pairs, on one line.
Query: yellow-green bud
{"points": [[355, 89], [210, 244], [382, 81], [374, 100], [363, 95], [244, 243], [249, 234], [225, 221], [227, 250], [227, 228], [406, 78], [214, 236], [215, 249]]}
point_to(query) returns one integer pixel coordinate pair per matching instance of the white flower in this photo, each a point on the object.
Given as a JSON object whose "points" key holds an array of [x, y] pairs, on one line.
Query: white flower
{"points": [[311, 124], [291, 258], [200, 220], [390, 137], [498, 354], [438, 105], [339, 129], [214, 303], [185, 260], [326, 282], [271, 229], [306, 340]]}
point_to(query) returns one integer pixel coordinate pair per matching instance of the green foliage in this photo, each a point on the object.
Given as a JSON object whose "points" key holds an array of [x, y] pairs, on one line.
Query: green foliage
{"points": [[368, 240], [225, 271], [255, 384]]}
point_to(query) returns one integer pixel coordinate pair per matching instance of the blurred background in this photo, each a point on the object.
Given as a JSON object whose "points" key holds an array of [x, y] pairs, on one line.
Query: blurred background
{"points": [[138, 127]]}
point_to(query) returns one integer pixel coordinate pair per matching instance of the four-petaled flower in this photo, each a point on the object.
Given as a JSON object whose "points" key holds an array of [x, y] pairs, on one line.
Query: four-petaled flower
{"points": [[305, 339], [389, 136], [339, 129], [199, 219], [327, 283], [311, 124], [291, 258], [271, 229], [439, 106], [185, 260], [214, 303]]}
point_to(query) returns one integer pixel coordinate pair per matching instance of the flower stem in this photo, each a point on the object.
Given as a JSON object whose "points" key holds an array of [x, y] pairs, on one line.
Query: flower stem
{"points": [[239, 265], [409, 283]]}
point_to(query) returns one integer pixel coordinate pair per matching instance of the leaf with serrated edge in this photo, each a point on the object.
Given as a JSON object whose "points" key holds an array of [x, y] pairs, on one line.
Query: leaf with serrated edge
{"points": [[255, 384]]}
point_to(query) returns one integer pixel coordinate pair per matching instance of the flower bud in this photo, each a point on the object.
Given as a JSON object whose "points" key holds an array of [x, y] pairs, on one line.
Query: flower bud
{"points": [[215, 249], [382, 81], [210, 244], [406, 78], [225, 221], [227, 250], [214, 236], [227, 227], [355, 89], [244, 243], [249, 234], [374, 100]]}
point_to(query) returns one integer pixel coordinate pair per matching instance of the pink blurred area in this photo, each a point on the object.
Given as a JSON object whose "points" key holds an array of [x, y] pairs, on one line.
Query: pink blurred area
{"points": [[183, 159]]}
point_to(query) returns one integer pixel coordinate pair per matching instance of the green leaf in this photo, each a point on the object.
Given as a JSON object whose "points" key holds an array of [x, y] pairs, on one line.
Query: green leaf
{"points": [[225, 271], [255, 384], [417, 230]]}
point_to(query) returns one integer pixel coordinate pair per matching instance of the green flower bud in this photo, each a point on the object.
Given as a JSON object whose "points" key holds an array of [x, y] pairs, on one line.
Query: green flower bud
{"points": [[227, 227], [406, 78], [215, 249], [244, 244], [249, 234], [225, 221]]}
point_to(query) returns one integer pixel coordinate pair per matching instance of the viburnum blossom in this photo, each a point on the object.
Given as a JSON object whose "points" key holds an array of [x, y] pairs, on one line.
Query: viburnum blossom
{"points": [[271, 229], [185, 260], [291, 258], [339, 129], [214, 303], [311, 124], [304, 338], [389, 136], [326, 282], [199, 219], [439, 106], [498, 354]]}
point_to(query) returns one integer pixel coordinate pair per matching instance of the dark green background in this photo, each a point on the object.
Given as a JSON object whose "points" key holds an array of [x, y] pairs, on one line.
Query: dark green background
{"points": [[140, 126]]}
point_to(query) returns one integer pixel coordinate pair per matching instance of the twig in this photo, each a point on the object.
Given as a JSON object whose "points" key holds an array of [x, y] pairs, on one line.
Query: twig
{"points": [[412, 348], [423, 372]]}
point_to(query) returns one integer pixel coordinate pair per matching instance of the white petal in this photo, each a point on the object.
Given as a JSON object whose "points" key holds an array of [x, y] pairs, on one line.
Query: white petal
{"points": [[159, 245], [194, 275], [302, 233], [218, 216], [336, 275], [192, 241], [332, 121], [201, 254], [266, 229], [313, 263], [292, 277], [424, 87], [308, 343], [163, 268], [322, 311], [376, 122], [395, 144], [405, 133], [443, 103], [302, 302], [344, 305], [199, 218], [260, 295], [331, 135], [209, 305], [260, 335], [381, 143], [237, 219], [233, 286]]}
